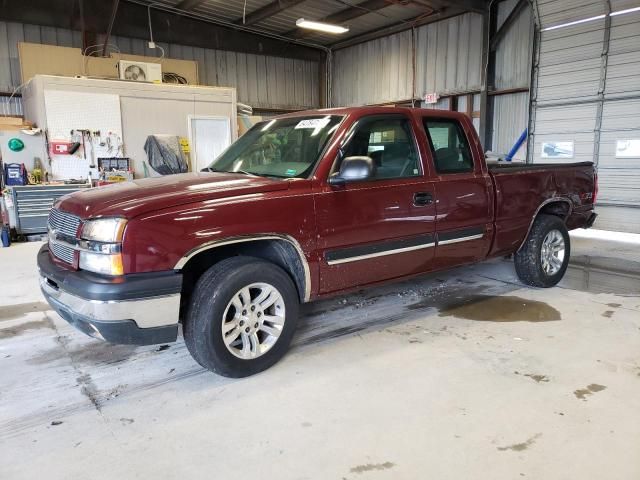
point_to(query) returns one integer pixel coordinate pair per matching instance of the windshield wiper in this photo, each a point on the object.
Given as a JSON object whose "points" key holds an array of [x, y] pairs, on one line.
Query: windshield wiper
{"points": [[246, 173], [216, 170]]}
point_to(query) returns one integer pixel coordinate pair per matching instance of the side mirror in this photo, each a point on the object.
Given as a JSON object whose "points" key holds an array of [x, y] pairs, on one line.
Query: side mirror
{"points": [[353, 169]]}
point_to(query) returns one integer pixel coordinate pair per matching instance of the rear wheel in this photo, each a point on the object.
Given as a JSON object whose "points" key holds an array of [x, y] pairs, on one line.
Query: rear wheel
{"points": [[242, 317], [543, 259]]}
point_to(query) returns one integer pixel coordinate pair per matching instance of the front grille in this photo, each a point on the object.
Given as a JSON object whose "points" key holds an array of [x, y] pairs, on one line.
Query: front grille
{"points": [[62, 252], [64, 223]]}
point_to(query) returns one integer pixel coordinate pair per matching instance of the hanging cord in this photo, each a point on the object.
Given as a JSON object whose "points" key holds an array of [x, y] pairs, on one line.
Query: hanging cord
{"points": [[149, 18], [112, 21], [170, 77], [86, 53], [244, 12], [151, 41]]}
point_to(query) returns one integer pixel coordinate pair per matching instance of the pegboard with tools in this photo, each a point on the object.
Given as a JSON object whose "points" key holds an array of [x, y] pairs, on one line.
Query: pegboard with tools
{"points": [[78, 156], [82, 127]]}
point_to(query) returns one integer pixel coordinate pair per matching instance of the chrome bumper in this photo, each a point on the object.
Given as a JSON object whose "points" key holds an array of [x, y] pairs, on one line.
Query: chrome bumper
{"points": [[148, 312], [138, 309]]}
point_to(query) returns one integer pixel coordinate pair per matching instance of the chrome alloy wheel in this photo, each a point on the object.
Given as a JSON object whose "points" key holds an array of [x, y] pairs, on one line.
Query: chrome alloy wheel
{"points": [[552, 252], [253, 320]]}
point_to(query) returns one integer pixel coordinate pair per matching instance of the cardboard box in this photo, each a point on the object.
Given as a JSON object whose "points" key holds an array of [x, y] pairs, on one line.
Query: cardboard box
{"points": [[69, 62]]}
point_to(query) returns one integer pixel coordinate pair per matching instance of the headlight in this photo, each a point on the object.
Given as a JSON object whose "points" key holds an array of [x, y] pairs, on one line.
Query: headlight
{"points": [[100, 246], [101, 263], [104, 229]]}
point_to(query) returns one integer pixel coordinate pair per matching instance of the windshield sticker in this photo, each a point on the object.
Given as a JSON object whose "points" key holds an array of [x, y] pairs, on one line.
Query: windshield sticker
{"points": [[291, 172], [313, 123]]}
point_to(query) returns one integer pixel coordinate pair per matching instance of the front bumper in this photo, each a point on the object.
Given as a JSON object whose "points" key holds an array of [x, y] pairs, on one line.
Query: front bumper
{"points": [[139, 309]]}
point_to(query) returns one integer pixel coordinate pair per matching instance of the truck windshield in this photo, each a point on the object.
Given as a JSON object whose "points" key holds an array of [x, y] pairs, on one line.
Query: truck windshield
{"points": [[283, 147]]}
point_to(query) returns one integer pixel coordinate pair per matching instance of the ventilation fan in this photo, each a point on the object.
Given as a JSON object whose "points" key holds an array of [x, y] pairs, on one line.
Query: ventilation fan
{"points": [[140, 71]]}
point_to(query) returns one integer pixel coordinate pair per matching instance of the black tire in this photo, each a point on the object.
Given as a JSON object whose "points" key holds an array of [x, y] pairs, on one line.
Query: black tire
{"points": [[528, 260], [213, 292]]}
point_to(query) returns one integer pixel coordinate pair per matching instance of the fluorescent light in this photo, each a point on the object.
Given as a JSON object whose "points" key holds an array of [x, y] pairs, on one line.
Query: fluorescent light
{"points": [[628, 10], [585, 20], [321, 26], [577, 22]]}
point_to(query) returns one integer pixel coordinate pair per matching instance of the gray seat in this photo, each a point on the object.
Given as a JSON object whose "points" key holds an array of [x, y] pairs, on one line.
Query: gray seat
{"points": [[394, 160], [448, 158]]}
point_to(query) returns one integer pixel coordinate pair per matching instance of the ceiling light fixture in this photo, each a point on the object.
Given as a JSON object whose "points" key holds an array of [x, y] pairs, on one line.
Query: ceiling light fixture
{"points": [[598, 17], [321, 26], [622, 12], [577, 22]]}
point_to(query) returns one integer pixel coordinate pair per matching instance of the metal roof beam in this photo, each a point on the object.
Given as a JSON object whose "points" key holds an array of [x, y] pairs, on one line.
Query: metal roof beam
{"points": [[189, 4], [510, 20], [396, 28], [168, 27], [356, 11], [267, 11], [478, 6]]}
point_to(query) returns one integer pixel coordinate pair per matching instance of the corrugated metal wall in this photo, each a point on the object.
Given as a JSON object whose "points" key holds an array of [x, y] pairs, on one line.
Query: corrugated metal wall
{"points": [[588, 93], [378, 71], [448, 62], [512, 70], [262, 81], [12, 33], [448, 55], [514, 52], [510, 117]]}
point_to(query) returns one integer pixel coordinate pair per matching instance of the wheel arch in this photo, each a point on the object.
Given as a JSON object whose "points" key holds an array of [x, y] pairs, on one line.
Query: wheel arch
{"points": [[558, 206], [281, 250]]}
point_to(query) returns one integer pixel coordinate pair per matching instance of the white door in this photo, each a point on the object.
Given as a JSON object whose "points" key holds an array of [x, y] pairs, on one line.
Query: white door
{"points": [[209, 136]]}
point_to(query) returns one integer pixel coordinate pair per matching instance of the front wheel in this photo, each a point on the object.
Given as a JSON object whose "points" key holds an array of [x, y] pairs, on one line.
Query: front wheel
{"points": [[543, 259], [242, 317]]}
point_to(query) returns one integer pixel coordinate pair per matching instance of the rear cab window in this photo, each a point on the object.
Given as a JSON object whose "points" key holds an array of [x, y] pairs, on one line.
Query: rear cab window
{"points": [[449, 145]]}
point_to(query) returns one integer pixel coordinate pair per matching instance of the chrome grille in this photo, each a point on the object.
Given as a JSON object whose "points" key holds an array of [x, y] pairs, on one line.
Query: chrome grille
{"points": [[63, 222], [63, 252]]}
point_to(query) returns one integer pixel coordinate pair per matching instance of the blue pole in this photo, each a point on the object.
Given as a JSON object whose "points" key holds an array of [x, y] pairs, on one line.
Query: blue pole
{"points": [[517, 145]]}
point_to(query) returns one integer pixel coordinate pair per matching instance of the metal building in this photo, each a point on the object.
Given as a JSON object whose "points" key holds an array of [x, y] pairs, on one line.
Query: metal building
{"points": [[264, 81]]}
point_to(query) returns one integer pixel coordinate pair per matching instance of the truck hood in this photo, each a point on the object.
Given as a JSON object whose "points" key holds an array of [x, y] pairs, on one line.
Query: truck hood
{"points": [[130, 199]]}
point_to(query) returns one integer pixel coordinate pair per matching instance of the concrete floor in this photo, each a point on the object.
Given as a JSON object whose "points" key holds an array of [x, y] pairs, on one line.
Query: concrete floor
{"points": [[459, 375]]}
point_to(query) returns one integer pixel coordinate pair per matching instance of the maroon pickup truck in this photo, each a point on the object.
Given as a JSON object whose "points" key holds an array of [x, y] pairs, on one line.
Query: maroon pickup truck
{"points": [[301, 207]]}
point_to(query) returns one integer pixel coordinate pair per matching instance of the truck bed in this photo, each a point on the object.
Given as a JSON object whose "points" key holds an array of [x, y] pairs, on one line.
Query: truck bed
{"points": [[522, 189], [512, 167]]}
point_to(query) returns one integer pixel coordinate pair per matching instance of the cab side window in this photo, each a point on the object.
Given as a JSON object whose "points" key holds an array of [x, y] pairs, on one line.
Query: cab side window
{"points": [[449, 145], [388, 140]]}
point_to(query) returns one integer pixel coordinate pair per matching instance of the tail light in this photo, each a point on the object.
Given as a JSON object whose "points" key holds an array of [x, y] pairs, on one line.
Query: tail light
{"points": [[595, 187]]}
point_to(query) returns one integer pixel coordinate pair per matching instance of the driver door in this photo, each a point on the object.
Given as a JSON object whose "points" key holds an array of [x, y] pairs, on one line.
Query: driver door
{"points": [[383, 227]]}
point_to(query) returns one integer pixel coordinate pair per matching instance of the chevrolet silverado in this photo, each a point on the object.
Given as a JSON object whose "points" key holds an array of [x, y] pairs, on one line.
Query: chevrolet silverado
{"points": [[301, 207]]}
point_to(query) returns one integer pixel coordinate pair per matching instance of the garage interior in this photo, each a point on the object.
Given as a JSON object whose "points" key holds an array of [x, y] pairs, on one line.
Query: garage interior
{"points": [[463, 373]]}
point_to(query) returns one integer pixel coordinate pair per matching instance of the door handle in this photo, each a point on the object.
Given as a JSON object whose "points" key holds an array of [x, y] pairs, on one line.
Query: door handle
{"points": [[422, 198]]}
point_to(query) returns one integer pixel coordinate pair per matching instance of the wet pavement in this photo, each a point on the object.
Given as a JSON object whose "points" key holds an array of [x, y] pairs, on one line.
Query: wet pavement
{"points": [[597, 274], [447, 376]]}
